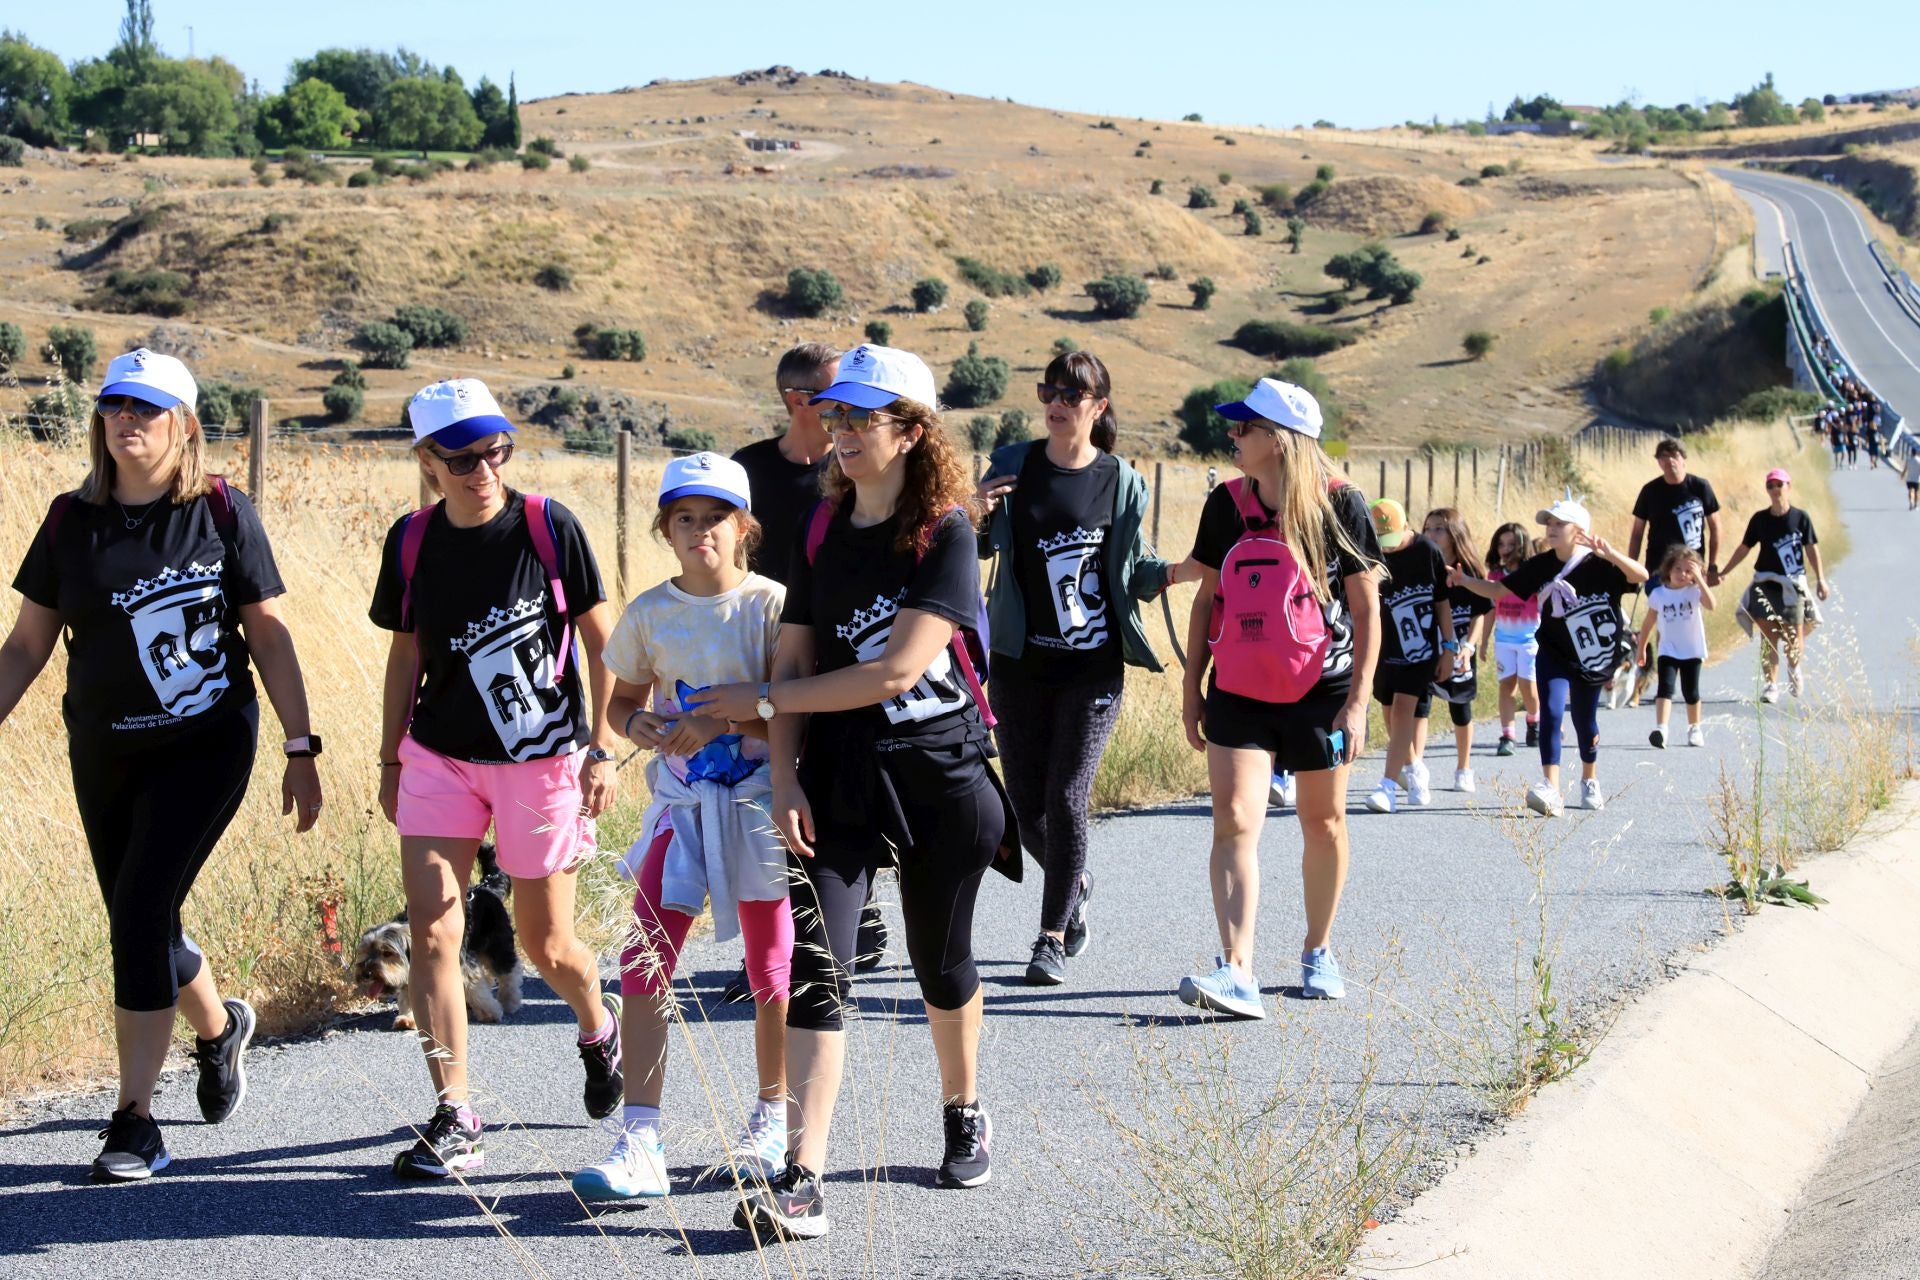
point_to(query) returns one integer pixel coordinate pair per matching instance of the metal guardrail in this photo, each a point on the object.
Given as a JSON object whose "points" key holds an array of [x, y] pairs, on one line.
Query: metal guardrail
{"points": [[1906, 291], [1892, 426]]}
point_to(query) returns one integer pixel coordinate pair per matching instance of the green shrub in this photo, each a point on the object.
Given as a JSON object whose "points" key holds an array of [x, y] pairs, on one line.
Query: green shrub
{"points": [[1374, 267], [1469, 181], [365, 178], [1276, 195], [1493, 171], [554, 276], [385, 166], [1338, 302], [1309, 193], [12, 152], [1435, 221], [1324, 174], [1202, 290], [567, 371], [1777, 402], [929, 294], [981, 429], [343, 404], [1156, 187], [388, 346], [1253, 223], [612, 344], [579, 164], [535, 160], [813, 292], [1282, 338], [691, 440], [1199, 197], [990, 280], [545, 146], [1064, 347], [1242, 207], [1478, 344], [81, 230], [879, 333], [1118, 296], [1226, 179], [350, 376], [1296, 233], [1192, 117], [976, 314], [1453, 233], [13, 346], [59, 413], [976, 380], [1659, 315], [1202, 429], [1014, 426], [72, 348], [275, 222], [224, 404], [148, 292], [430, 326], [1045, 276]]}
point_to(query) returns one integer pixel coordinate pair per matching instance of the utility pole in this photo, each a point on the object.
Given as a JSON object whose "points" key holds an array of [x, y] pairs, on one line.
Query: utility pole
{"points": [[189, 42]]}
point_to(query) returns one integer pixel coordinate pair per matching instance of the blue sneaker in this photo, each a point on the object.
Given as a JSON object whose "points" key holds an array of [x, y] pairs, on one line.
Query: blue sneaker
{"points": [[637, 1167], [1222, 992], [1320, 976]]}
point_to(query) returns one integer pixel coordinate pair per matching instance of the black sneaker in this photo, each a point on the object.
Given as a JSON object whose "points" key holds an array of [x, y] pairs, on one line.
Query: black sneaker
{"points": [[791, 1205], [605, 1086], [969, 1132], [222, 1063], [739, 988], [1506, 745], [1048, 968], [447, 1147], [870, 947], [1077, 937], [134, 1149], [1533, 733]]}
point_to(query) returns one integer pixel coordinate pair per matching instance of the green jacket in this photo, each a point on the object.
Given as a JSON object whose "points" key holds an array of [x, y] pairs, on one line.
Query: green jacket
{"points": [[1132, 571]]}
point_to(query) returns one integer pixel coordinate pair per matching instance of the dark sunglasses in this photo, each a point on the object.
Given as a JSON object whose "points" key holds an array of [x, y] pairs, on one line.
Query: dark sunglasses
{"points": [[860, 420], [1238, 427], [1068, 396], [1776, 484], [112, 406], [462, 464]]}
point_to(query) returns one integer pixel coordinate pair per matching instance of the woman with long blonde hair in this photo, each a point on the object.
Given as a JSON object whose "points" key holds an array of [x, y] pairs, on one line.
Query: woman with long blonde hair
{"points": [[163, 580], [1287, 617]]}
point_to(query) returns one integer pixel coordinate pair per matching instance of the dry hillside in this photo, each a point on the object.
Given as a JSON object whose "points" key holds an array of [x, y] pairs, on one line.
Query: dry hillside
{"points": [[681, 230]]}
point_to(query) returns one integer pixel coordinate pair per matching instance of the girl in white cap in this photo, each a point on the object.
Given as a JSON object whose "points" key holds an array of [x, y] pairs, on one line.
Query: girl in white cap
{"points": [[1789, 557], [880, 757], [1287, 615], [164, 583], [485, 724], [1579, 580], [705, 836]]}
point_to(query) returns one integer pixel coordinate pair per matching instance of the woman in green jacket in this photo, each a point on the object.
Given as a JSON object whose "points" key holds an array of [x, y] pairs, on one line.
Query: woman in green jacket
{"points": [[1071, 568]]}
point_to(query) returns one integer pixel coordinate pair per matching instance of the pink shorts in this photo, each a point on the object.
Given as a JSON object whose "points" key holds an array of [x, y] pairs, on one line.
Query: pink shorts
{"points": [[533, 807]]}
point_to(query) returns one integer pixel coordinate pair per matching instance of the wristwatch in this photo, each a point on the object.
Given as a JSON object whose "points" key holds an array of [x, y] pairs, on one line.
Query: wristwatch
{"points": [[599, 753], [303, 748], [765, 705]]}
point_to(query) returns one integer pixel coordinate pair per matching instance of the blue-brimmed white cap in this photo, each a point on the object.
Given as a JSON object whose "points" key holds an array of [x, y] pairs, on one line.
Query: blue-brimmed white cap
{"points": [[1281, 403], [874, 377], [455, 413], [150, 376], [706, 475]]}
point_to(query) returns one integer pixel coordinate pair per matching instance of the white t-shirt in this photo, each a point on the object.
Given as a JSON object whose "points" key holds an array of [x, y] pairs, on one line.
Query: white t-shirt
{"points": [[680, 644], [1683, 623]]}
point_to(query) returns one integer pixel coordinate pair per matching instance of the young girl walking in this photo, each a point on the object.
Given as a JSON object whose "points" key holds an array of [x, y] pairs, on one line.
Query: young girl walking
{"points": [[1677, 603], [705, 836], [1447, 529], [1514, 641], [1417, 647]]}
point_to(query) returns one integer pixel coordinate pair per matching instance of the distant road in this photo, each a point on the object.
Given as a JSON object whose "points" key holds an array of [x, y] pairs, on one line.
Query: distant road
{"points": [[1875, 336]]}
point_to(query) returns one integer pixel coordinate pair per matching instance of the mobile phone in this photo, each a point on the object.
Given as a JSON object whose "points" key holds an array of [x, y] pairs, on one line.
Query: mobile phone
{"points": [[1337, 741]]}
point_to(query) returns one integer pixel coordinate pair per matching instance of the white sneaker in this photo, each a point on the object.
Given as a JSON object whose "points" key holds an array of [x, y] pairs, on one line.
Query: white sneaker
{"points": [[1696, 735], [1419, 784], [1771, 692], [1383, 797], [1794, 683], [761, 1149], [1544, 799], [1590, 797], [636, 1167], [1463, 781], [1280, 794]]}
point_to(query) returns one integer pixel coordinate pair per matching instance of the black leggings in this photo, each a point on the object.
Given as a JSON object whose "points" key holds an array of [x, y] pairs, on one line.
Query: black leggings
{"points": [[1051, 739], [1688, 669], [151, 818], [957, 821]]}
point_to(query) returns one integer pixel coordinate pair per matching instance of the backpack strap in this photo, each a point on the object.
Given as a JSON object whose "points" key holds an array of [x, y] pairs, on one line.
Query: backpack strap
{"points": [[220, 502], [546, 545], [412, 534], [817, 522], [56, 513]]}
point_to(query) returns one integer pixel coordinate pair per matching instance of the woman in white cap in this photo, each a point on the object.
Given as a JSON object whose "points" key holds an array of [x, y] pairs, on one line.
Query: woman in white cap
{"points": [[164, 582], [1287, 617], [880, 757], [484, 723], [1777, 600], [1073, 566], [1579, 581]]}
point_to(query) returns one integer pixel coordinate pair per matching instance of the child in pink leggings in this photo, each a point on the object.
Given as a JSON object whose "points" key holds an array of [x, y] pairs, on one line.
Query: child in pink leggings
{"points": [[707, 835]]}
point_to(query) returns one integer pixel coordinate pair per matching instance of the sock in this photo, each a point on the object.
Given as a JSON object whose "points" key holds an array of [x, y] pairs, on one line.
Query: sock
{"points": [[1506, 730], [469, 1117], [635, 1117], [605, 1031], [1533, 720], [776, 1111]]}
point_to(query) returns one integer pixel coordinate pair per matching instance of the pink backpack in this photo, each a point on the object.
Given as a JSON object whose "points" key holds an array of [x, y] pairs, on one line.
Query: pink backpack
{"points": [[1268, 631]]}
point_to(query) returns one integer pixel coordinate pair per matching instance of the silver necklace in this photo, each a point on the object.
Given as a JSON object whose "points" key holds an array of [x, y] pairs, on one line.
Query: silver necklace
{"points": [[128, 519]]}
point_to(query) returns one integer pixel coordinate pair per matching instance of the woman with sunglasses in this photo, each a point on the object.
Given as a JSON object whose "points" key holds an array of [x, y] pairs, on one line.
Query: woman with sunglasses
{"points": [[879, 758], [1777, 600], [1072, 565], [1287, 492], [164, 582], [483, 723]]}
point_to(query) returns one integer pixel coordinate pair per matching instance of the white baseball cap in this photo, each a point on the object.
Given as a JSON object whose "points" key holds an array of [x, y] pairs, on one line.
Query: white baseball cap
{"points": [[1281, 403], [706, 475], [1566, 509], [874, 377], [150, 376], [455, 413]]}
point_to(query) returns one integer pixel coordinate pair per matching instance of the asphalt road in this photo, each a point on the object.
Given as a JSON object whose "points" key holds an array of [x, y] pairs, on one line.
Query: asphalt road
{"points": [[1438, 908]]}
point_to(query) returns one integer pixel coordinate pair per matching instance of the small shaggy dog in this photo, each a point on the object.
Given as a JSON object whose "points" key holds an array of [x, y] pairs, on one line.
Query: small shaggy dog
{"points": [[382, 961]]}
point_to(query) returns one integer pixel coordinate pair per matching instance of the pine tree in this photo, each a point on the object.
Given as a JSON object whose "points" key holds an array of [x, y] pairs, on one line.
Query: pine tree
{"points": [[513, 114]]}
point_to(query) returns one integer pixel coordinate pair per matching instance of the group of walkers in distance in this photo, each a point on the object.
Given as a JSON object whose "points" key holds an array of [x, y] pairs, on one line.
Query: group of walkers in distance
{"points": [[1850, 425], [823, 654]]}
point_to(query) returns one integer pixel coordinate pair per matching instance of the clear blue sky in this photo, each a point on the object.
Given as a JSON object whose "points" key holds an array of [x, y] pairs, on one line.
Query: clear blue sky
{"points": [[1362, 63]]}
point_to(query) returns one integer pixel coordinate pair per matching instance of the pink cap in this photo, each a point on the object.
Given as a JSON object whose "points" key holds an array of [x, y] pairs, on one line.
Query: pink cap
{"points": [[1780, 474]]}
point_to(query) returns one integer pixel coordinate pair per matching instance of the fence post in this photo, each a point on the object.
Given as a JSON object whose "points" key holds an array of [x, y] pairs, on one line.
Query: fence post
{"points": [[1381, 492], [1456, 477], [1409, 488], [1476, 469], [1429, 477], [1500, 487], [257, 458], [623, 475]]}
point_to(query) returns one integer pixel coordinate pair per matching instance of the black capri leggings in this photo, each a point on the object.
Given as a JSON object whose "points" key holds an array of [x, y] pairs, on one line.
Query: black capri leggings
{"points": [[1688, 669], [956, 820], [151, 819]]}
